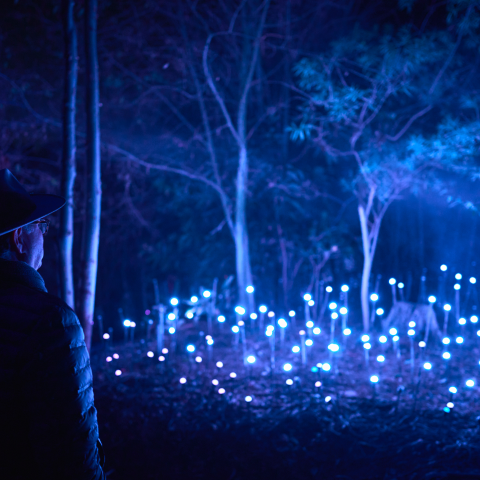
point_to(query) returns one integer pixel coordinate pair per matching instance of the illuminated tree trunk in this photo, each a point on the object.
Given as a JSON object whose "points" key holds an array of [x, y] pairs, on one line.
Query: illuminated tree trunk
{"points": [[370, 232], [244, 274], [367, 269], [68, 154], [94, 185]]}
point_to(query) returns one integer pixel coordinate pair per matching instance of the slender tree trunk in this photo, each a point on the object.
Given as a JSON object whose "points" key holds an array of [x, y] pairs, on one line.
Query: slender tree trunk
{"points": [[244, 275], [94, 190], [369, 243], [69, 169], [367, 269]]}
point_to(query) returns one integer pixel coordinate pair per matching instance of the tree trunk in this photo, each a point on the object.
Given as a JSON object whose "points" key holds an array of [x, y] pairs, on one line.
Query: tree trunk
{"points": [[94, 186], [367, 268], [244, 274], [68, 154]]}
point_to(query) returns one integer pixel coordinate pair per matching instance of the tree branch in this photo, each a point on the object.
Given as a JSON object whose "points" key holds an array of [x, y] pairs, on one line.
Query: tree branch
{"points": [[419, 114]]}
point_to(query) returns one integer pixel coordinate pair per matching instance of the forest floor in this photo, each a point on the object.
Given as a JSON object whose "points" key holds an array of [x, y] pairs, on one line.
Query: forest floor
{"points": [[155, 427]]}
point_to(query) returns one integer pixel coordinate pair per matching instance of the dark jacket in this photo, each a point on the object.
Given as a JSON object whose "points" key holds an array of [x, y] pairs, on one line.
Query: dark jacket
{"points": [[48, 423]]}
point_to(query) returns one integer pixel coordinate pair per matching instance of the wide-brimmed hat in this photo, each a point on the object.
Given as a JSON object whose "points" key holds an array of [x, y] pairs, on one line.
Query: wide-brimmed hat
{"points": [[19, 208]]}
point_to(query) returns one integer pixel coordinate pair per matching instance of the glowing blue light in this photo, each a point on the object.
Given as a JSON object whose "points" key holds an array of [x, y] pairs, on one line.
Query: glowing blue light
{"points": [[210, 341], [401, 285], [171, 330], [380, 311], [174, 301], [374, 378], [458, 276], [367, 346], [171, 316], [316, 331], [295, 349], [427, 366], [453, 390], [459, 340], [411, 333], [446, 341], [282, 323], [396, 338], [470, 383], [412, 324], [443, 268], [326, 367], [189, 314], [365, 338], [253, 316], [150, 354], [248, 398], [373, 297], [474, 319], [287, 367], [235, 329], [334, 315], [126, 323], [446, 409], [380, 358], [291, 313], [332, 306], [344, 310], [329, 289], [251, 359], [432, 299], [311, 303], [347, 332], [207, 294], [106, 336], [190, 348], [344, 288], [473, 280], [383, 339], [240, 310], [462, 321], [446, 355], [309, 324], [194, 299], [314, 369], [393, 331], [333, 347], [221, 318], [422, 344], [450, 405], [250, 289], [457, 286], [263, 309], [447, 307], [309, 342], [307, 297], [392, 281]]}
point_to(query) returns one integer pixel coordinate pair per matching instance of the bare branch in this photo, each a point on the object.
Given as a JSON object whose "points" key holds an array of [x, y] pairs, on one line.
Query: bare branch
{"points": [[419, 114], [213, 88], [242, 108], [450, 56]]}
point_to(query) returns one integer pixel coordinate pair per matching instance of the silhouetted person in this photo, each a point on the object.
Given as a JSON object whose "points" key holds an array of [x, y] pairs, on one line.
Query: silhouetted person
{"points": [[48, 423]]}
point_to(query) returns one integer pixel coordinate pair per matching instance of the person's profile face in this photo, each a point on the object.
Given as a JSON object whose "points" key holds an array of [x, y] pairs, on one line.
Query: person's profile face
{"points": [[32, 239]]}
